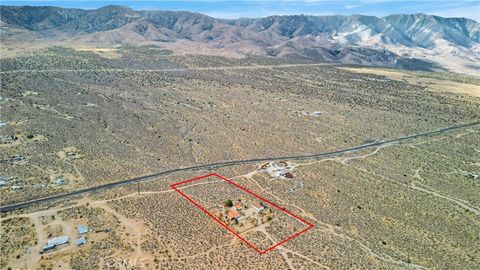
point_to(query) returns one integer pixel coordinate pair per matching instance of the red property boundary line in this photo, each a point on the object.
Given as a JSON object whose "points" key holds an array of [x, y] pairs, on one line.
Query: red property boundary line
{"points": [[309, 225]]}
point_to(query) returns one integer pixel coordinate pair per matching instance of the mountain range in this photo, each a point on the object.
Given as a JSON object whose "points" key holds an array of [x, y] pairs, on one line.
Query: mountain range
{"points": [[403, 40]]}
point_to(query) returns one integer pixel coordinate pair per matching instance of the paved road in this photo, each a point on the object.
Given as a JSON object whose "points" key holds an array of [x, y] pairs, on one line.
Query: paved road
{"points": [[165, 69], [12, 207]]}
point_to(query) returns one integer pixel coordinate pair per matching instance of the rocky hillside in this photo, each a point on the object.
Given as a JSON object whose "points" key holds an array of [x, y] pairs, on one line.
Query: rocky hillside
{"points": [[403, 40]]}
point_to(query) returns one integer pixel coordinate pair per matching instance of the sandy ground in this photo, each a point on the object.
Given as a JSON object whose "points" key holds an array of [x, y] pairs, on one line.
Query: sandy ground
{"points": [[104, 52], [137, 230], [432, 84]]}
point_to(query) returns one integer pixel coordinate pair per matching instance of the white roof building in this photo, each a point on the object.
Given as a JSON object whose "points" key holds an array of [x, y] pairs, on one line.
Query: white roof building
{"points": [[58, 241], [80, 241], [82, 229]]}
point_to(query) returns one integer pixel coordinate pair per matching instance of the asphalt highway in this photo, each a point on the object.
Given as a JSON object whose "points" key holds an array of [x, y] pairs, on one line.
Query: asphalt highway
{"points": [[212, 166], [162, 69]]}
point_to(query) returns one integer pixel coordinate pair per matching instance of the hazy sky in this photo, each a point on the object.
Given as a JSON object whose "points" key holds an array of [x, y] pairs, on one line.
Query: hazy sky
{"points": [[235, 9]]}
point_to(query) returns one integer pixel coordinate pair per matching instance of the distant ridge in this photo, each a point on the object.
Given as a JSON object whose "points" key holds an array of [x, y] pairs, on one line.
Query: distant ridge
{"points": [[400, 40]]}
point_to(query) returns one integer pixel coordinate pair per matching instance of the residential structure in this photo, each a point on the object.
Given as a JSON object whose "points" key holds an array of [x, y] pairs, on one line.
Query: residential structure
{"points": [[54, 242], [233, 214], [58, 241], [257, 207]]}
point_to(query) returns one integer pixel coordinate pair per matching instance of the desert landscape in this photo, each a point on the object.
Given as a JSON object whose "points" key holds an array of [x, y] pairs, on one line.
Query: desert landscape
{"points": [[383, 162], [236, 109]]}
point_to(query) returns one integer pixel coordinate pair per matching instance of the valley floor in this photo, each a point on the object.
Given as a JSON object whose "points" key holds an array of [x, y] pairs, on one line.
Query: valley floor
{"points": [[80, 121]]}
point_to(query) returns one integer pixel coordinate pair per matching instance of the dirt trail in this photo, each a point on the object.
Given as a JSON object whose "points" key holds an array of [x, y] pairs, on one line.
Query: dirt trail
{"points": [[345, 160], [304, 257], [31, 260], [212, 166], [86, 202], [423, 188], [331, 228], [320, 226], [135, 230]]}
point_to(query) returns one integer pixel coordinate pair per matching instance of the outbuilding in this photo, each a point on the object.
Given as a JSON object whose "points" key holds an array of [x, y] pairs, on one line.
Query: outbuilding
{"points": [[82, 229], [81, 241], [237, 206], [257, 207], [48, 247]]}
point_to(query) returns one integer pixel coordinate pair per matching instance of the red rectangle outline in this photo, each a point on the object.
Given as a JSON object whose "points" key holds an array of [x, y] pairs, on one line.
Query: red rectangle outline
{"points": [[310, 225]]}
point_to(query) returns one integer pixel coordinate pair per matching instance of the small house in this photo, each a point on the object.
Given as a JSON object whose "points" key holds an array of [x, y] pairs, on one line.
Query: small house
{"points": [[233, 214], [58, 241]]}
